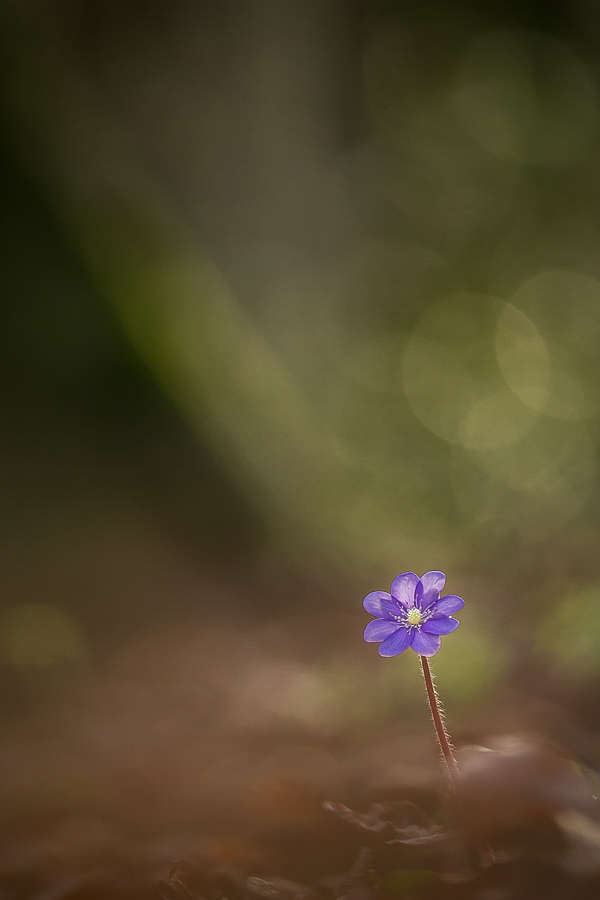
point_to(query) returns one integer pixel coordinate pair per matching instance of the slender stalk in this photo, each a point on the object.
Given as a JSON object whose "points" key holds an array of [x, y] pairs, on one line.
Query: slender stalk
{"points": [[436, 715]]}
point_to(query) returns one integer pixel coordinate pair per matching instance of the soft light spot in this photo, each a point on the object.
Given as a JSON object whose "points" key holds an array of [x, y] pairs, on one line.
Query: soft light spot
{"points": [[571, 632], [497, 421], [451, 378], [526, 97], [565, 307], [532, 488], [440, 379], [473, 663], [523, 357], [39, 634]]}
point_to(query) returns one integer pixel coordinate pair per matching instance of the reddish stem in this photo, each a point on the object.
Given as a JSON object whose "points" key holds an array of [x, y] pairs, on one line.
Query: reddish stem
{"points": [[436, 715]]}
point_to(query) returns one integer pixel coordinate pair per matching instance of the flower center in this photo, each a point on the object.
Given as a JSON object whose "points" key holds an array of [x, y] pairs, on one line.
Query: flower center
{"points": [[414, 616]]}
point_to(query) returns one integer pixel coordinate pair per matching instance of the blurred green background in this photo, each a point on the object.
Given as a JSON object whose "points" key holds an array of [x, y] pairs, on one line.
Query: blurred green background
{"points": [[295, 297]]}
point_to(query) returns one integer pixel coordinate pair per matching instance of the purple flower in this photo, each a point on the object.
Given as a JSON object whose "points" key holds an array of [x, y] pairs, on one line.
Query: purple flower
{"points": [[413, 615]]}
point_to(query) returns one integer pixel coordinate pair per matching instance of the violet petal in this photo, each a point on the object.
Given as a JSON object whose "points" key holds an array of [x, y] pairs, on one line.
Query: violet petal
{"points": [[441, 625], [433, 583], [396, 643], [425, 644], [380, 603], [447, 605], [404, 587], [378, 629]]}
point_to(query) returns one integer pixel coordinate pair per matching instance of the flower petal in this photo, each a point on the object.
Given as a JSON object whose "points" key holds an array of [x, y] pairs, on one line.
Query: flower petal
{"points": [[396, 643], [379, 629], [404, 587], [424, 644], [447, 605], [432, 582], [380, 603], [441, 625]]}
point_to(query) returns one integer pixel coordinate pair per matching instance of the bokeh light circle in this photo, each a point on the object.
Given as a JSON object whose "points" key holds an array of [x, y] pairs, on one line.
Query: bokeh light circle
{"points": [[565, 309], [531, 489], [523, 357], [526, 97], [451, 377]]}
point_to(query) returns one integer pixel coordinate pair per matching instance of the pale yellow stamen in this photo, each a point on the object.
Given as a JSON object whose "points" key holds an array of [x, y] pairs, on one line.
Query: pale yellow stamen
{"points": [[414, 616]]}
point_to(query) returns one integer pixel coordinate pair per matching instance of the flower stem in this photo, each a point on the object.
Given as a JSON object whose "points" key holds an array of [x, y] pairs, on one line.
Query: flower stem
{"points": [[442, 736]]}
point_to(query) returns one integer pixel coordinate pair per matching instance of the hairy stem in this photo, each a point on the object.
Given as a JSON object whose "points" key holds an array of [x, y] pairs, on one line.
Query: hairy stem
{"points": [[436, 715]]}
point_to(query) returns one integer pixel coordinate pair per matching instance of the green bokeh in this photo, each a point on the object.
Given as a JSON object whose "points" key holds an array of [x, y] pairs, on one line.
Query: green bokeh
{"points": [[571, 633]]}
